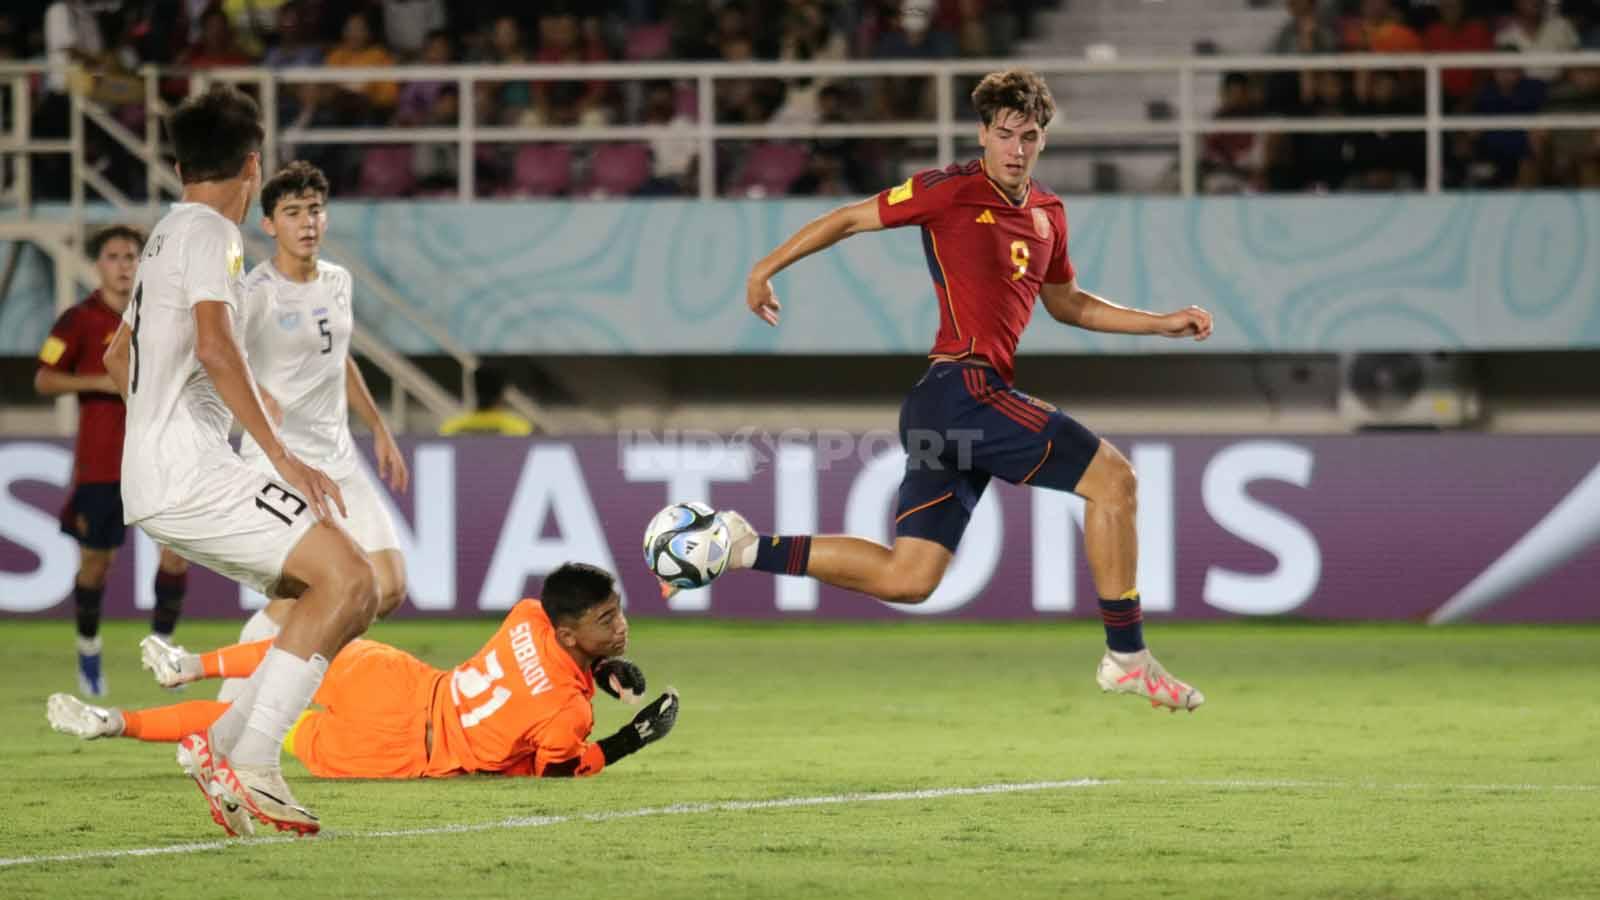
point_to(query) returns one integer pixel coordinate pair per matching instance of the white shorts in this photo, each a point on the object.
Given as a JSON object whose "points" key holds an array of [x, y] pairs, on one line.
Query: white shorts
{"points": [[235, 521], [369, 523]]}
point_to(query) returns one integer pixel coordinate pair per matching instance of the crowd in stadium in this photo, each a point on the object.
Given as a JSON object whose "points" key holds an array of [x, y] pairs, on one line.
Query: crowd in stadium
{"points": [[113, 38], [1391, 160]]}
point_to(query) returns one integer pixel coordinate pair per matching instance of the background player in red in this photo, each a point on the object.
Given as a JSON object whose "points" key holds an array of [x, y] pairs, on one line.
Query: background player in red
{"points": [[519, 706], [70, 362], [995, 241]]}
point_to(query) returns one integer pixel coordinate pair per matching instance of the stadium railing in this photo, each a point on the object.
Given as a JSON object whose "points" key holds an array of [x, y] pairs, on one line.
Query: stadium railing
{"points": [[1187, 127], [950, 120]]}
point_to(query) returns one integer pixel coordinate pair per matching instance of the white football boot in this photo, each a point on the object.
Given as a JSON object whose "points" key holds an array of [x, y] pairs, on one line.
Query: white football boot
{"points": [[171, 665], [1140, 674], [266, 795], [69, 715]]}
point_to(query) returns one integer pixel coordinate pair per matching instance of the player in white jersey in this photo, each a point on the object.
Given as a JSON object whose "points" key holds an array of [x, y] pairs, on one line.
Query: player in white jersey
{"points": [[297, 338], [177, 360]]}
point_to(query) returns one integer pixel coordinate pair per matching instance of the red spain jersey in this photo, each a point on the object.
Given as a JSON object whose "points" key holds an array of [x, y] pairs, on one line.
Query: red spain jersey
{"points": [[988, 256], [517, 706], [77, 346]]}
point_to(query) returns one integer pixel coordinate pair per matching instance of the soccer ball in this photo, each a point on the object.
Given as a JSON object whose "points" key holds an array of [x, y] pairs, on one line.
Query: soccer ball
{"points": [[687, 545]]}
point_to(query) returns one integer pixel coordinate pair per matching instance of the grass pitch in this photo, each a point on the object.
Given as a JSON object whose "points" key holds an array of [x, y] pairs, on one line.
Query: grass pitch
{"points": [[1330, 761]]}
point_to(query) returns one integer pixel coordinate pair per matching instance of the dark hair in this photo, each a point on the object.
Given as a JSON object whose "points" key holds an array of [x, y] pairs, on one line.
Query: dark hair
{"points": [[441, 34], [488, 383], [114, 233], [292, 180], [1235, 79], [214, 133], [1017, 89], [574, 589]]}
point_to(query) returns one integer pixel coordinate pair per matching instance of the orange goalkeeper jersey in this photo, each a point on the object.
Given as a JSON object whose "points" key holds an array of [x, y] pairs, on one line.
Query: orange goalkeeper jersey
{"points": [[520, 706]]}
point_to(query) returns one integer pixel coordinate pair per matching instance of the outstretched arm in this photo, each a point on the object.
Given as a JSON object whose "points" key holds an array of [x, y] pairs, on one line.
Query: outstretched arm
{"points": [[391, 465], [652, 724], [817, 235], [1072, 305]]}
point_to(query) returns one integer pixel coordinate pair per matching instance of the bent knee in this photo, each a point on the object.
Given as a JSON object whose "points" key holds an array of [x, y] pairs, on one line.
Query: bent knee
{"points": [[908, 589]]}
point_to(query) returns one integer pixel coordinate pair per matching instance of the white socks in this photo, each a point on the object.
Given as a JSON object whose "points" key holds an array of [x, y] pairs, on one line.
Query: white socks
{"points": [[259, 628], [287, 684]]}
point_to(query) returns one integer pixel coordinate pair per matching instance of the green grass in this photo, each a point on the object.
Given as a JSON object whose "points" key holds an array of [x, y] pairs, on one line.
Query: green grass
{"points": [[1331, 761]]}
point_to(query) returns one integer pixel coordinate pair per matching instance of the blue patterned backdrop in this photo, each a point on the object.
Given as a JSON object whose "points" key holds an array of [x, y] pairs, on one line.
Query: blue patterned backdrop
{"points": [[1280, 273]]}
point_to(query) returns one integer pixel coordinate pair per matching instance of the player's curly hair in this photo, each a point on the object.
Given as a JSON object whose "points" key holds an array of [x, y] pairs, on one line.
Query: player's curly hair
{"points": [[214, 133], [1018, 89], [292, 180], [573, 589], [110, 233]]}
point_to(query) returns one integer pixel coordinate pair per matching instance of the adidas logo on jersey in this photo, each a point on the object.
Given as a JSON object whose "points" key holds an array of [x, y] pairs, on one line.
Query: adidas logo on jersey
{"points": [[985, 218]]}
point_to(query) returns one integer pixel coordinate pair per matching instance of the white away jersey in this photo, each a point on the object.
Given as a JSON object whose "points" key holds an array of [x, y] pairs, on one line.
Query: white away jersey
{"points": [[177, 423], [297, 336]]}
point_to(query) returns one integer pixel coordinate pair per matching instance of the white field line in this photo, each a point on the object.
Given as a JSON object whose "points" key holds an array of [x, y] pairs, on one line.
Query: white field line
{"points": [[682, 809]]}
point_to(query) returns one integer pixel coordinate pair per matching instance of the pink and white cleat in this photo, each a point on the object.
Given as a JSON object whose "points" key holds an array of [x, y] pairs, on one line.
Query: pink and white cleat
{"points": [[1140, 674], [262, 791], [195, 757]]}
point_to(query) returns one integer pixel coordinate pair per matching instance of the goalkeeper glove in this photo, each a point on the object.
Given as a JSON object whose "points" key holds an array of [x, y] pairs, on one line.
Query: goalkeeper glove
{"points": [[650, 725], [618, 675]]}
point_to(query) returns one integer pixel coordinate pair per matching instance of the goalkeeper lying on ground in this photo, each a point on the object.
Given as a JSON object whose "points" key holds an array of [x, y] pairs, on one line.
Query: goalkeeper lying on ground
{"points": [[521, 706]]}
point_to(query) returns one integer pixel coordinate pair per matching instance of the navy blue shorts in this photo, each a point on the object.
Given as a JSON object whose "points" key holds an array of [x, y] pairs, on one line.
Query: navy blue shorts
{"points": [[960, 426], [93, 516]]}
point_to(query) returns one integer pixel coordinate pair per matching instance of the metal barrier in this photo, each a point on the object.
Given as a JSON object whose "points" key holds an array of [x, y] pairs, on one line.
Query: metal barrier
{"points": [[1186, 128]]}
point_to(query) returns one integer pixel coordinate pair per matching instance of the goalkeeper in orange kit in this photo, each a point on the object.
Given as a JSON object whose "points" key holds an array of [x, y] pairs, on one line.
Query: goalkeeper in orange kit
{"points": [[520, 706]]}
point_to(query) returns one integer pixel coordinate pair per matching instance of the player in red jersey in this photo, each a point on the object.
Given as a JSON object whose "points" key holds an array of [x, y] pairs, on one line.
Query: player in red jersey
{"points": [[995, 240], [519, 706], [70, 362]]}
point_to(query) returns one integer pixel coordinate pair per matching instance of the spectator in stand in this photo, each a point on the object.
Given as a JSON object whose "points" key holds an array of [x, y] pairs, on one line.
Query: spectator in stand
{"points": [[808, 35], [737, 99], [1455, 32], [419, 99], [252, 22], [1305, 33], [672, 159], [906, 32], [1532, 30], [562, 42], [408, 24], [217, 46], [437, 166], [1228, 162], [964, 20], [1318, 162], [1379, 29], [374, 101], [1571, 157], [506, 102], [294, 46], [1507, 155], [1389, 160]]}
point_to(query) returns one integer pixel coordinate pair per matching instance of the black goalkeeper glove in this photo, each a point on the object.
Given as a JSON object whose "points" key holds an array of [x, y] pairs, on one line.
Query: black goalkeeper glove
{"points": [[651, 724], [617, 674]]}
